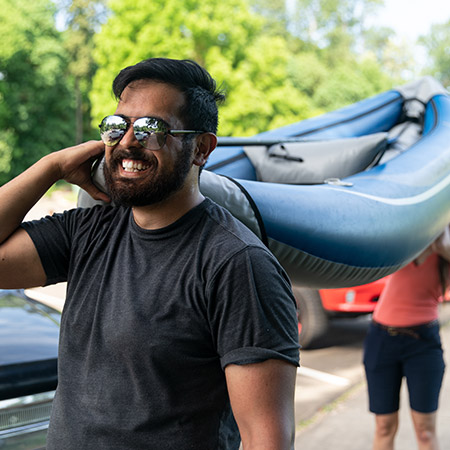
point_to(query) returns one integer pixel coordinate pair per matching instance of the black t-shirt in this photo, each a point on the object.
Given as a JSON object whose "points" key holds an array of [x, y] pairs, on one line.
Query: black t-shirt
{"points": [[151, 320]]}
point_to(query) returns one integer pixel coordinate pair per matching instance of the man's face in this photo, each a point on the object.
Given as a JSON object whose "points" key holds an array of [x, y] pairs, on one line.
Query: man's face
{"points": [[136, 176]]}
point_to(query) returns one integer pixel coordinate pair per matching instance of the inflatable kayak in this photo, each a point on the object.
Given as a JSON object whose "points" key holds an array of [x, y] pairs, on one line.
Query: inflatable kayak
{"points": [[345, 198]]}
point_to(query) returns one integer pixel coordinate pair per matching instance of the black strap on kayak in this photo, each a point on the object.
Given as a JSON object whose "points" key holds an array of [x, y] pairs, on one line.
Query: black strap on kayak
{"points": [[405, 117], [262, 228]]}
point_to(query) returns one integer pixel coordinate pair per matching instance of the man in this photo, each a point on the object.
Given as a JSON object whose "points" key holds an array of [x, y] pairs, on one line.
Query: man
{"points": [[178, 323]]}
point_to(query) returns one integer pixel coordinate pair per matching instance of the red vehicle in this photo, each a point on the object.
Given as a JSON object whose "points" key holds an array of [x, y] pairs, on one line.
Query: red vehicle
{"points": [[315, 307]]}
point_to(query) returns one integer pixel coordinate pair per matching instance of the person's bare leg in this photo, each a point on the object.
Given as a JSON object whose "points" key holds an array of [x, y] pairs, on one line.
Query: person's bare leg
{"points": [[425, 428], [386, 426]]}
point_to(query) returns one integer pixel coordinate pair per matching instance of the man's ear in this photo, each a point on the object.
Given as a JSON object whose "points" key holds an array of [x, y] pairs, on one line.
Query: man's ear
{"points": [[206, 143]]}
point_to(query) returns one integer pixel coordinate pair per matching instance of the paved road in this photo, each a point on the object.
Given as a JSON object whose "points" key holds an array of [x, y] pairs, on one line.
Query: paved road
{"points": [[328, 372]]}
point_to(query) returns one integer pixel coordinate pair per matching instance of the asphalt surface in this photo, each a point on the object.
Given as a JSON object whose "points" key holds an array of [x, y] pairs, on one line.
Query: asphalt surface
{"points": [[331, 368], [347, 424]]}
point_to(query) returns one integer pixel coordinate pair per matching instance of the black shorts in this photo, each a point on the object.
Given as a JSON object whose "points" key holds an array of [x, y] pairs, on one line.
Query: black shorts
{"points": [[389, 358]]}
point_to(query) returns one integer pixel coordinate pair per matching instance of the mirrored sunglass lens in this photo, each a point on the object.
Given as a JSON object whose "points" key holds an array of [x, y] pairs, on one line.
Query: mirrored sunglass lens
{"points": [[150, 132], [112, 130]]}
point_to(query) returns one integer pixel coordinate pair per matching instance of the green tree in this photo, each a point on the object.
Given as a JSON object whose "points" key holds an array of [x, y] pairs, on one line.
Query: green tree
{"points": [[82, 18], [349, 84], [276, 66], [436, 44], [307, 72], [377, 39], [228, 38], [35, 106], [334, 25], [329, 41], [261, 94], [276, 15], [394, 55]]}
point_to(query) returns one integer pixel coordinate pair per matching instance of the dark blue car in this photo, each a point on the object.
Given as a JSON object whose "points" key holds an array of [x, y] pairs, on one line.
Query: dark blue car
{"points": [[29, 334]]}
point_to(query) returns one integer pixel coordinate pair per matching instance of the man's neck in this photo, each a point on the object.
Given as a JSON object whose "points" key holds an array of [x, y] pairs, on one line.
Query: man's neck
{"points": [[163, 214]]}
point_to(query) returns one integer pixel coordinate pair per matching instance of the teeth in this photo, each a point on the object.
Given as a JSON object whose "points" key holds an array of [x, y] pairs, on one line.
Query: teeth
{"points": [[130, 165]]}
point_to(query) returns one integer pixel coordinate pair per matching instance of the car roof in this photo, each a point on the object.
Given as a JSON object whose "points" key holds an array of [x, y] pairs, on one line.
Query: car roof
{"points": [[29, 330]]}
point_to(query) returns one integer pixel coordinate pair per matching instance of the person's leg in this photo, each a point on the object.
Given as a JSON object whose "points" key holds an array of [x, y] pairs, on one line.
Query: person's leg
{"points": [[386, 426], [425, 428], [384, 378], [424, 370]]}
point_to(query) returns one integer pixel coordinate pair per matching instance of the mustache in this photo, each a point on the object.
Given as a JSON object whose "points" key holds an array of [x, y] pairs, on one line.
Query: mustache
{"points": [[131, 153]]}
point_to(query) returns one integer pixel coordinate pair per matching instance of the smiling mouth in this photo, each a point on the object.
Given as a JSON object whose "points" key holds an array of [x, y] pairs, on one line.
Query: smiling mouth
{"points": [[134, 166]]}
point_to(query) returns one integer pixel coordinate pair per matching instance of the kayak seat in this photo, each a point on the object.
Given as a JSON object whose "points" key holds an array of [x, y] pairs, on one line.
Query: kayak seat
{"points": [[314, 161]]}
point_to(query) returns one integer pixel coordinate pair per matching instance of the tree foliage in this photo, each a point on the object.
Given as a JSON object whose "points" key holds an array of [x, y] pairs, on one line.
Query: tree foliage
{"points": [[215, 33], [437, 46], [331, 24], [35, 103], [82, 19], [268, 79]]}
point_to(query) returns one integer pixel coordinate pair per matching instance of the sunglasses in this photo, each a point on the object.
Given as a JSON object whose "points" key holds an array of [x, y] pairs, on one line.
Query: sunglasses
{"points": [[150, 132]]}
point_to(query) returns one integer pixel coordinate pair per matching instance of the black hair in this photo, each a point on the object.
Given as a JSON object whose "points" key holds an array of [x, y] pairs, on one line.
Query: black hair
{"points": [[199, 88]]}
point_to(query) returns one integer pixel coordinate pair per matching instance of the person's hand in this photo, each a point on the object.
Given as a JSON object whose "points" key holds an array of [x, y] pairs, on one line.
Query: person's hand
{"points": [[442, 244], [74, 165]]}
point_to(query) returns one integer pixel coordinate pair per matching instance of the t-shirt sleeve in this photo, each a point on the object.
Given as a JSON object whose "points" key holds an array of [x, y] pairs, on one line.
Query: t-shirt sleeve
{"points": [[51, 237], [252, 310]]}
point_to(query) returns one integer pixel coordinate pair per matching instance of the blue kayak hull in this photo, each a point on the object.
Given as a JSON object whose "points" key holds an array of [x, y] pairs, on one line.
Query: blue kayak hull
{"points": [[370, 224]]}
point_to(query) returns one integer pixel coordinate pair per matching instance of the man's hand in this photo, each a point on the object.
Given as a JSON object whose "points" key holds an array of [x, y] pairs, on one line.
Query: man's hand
{"points": [[442, 244], [74, 166]]}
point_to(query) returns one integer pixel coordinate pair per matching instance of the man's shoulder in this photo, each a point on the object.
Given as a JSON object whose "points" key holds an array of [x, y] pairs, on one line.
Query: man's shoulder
{"points": [[225, 223], [82, 221], [228, 239]]}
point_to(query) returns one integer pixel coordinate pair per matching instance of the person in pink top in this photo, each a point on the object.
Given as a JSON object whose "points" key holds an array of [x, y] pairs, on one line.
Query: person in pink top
{"points": [[403, 341]]}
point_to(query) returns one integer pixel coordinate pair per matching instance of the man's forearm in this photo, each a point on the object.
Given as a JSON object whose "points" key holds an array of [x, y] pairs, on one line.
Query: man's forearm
{"points": [[19, 195]]}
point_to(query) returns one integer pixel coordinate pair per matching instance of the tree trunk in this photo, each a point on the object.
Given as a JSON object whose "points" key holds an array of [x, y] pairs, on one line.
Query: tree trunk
{"points": [[78, 113]]}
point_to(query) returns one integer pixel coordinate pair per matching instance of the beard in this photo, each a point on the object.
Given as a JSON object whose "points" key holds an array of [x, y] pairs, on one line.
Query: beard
{"points": [[163, 183]]}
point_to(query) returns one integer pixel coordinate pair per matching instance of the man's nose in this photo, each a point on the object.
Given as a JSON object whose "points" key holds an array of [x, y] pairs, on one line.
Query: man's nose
{"points": [[129, 139]]}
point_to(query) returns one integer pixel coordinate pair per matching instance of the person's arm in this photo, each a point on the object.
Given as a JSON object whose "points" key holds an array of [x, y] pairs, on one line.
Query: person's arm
{"points": [[442, 244], [262, 400], [20, 265]]}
